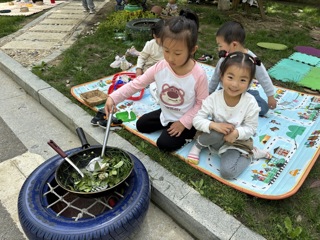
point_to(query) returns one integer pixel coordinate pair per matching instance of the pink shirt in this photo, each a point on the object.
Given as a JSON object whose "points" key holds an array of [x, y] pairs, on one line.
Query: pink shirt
{"points": [[180, 97]]}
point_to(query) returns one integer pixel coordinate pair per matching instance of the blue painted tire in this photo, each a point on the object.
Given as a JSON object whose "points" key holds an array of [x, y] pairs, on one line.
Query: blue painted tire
{"points": [[121, 222]]}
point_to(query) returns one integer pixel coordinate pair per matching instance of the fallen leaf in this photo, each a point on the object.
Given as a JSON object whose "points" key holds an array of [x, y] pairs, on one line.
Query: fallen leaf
{"points": [[315, 184]]}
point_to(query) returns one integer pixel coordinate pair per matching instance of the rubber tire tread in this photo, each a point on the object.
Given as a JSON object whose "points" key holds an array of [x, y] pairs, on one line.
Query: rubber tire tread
{"points": [[122, 222], [132, 25]]}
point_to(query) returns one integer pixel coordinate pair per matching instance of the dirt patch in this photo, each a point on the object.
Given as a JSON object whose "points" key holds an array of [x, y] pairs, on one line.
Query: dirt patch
{"points": [[100, 16], [315, 33], [254, 21]]}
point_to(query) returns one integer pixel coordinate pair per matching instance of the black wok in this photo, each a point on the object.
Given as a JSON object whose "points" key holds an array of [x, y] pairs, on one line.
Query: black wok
{"points": [[64, 174]]}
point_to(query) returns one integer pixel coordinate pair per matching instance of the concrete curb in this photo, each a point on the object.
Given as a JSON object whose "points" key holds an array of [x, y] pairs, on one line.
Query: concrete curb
{"points": [[197, 215]]}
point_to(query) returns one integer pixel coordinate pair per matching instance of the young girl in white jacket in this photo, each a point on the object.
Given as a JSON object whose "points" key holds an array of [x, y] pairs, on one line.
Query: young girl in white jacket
{"points": [[228, 118]]}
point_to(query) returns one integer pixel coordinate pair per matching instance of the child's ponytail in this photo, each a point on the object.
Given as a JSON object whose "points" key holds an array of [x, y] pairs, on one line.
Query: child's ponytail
{"points": [[189, 14], [257, 61], [223, 54]]}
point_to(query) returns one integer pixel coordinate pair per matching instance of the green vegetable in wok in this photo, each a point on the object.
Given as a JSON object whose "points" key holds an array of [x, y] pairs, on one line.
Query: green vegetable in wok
{"points": [[111, 171]]}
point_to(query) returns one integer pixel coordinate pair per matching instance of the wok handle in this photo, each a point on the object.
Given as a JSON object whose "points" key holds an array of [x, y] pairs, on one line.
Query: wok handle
{"points": [[57, 149], [82, 137]]}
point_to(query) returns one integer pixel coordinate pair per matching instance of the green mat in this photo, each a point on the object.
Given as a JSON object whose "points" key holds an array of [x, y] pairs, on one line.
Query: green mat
{"points": [[301, 68], [304, 58], [312, 79], [287, 70]]}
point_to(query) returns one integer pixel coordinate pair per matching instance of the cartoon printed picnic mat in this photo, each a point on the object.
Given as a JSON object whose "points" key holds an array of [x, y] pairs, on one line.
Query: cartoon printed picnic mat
{"points": [[300, 68], [291, 133]]}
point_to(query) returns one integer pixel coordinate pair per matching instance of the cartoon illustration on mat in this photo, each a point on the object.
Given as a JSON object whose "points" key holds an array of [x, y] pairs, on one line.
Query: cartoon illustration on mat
{"points": [[313, 140], [270, 171]]}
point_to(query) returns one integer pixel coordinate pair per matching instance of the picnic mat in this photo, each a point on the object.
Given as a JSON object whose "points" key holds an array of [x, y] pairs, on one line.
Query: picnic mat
{"points": [[291, 133], [300, 68], [33, 8]]}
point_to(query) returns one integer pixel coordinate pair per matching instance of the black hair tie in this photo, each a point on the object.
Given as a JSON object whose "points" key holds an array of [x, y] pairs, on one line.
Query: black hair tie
{"points": [[223, 54], [257, 61]]}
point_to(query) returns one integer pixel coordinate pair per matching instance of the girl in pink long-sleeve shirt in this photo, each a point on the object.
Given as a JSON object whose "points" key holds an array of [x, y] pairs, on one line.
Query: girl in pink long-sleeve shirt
{"points": [[181, 86]]}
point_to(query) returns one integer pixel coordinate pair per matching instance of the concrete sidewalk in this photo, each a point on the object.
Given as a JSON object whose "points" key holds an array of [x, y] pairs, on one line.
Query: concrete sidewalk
{"points": [[49, 35], [202, 218]]}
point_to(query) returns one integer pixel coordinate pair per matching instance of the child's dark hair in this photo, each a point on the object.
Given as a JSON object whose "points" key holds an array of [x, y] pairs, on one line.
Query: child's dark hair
{"points": [[182, 28], [188, 13], [240, 59], [156, 28], [232, 31]]}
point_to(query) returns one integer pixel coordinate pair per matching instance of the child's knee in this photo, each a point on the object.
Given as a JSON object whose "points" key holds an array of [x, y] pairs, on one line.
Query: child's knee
{"points": [[263, 109], [142, 126], [164, 144], [228, 174], [139, 126]]}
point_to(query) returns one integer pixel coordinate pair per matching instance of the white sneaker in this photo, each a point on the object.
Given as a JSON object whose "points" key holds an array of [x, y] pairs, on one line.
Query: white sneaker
{"points": [[92, 11], [259, 153], [133, 52], [116, 63], [124, 64]]}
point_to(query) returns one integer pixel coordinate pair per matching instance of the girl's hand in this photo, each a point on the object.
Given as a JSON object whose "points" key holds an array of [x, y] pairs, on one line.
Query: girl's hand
{"points": [[139, 72], [272, 102], [108, 106], [232, 137], [224, 128], [176, 129]]}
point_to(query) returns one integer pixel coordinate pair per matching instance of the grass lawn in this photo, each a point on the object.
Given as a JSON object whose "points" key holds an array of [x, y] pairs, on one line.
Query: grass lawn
{"points": [[89, 58]]}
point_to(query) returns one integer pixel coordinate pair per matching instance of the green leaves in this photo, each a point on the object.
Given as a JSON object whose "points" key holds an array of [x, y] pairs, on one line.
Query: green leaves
{"points": [[114, 169], [289, 231], [118, 165], [198, 185]]}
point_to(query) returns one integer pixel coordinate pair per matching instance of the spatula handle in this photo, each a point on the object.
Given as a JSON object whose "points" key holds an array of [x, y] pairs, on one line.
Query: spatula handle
{"points": [[64, 156], [57, 149]]}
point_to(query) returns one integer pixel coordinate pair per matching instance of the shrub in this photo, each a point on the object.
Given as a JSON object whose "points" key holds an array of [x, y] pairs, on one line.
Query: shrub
{"points": [[116, 22]]}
